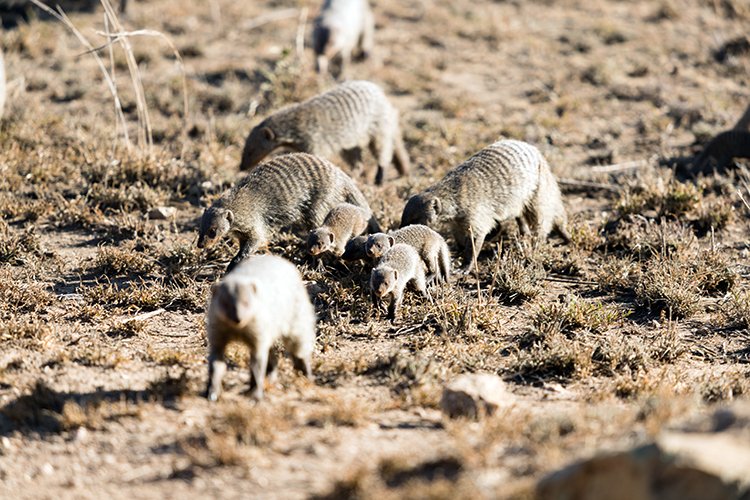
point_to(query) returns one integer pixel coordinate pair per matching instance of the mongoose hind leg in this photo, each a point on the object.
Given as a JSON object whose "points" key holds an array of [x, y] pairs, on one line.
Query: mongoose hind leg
{"points": [[382, 149], [217, 366], [303, 364], [258, 366], [353, 158]]}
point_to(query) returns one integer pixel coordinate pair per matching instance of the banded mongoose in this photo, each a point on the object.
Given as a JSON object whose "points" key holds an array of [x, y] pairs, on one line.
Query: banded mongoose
{"points": [[722, 148], [432, 248], [355, 249], [504, 181], [261, 301], [341, 27], [342, 223], [398, 267], [294, 191], [343, 120]]}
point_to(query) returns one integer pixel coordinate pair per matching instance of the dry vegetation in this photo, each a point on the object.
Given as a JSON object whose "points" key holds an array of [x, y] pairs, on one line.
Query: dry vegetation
{"points": [[642, 320]]}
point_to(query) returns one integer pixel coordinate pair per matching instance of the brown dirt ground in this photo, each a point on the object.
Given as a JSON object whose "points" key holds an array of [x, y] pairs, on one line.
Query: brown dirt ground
{"points": [[641, 321]]}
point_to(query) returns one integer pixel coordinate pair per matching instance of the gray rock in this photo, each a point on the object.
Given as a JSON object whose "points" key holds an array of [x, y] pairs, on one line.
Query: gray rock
{"points": [[474, 395], [162, 213]]}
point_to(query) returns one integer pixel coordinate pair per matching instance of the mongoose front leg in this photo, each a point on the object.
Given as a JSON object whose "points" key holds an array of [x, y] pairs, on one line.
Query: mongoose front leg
{"points": [[247, 248], [471, 252], [523, 226], [258, 366], [216, 369], [392, 308]]}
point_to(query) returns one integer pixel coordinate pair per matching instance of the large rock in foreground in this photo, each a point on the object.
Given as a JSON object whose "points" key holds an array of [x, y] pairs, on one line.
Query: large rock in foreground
{"points": [[707, 461]]}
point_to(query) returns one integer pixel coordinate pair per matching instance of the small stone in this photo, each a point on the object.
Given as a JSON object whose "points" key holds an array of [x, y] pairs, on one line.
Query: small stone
{"points": [[81, 434], [47, 469], [474, 395], [162, 213]]}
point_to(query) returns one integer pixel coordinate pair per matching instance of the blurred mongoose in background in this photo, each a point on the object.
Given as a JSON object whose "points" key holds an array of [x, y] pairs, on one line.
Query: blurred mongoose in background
{"points": [[2, 84], [294, 191], [261, 301], [398, 267], [345, 119], [432, 248], [504, 181], [722, 148], [341, 224], [342, 26]]}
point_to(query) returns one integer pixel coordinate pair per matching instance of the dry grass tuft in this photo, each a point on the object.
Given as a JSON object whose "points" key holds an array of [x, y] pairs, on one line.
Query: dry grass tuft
{"points": [[670, 286], [515, 278]]}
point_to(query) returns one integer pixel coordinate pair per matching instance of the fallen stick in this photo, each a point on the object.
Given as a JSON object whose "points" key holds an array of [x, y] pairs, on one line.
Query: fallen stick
{"points": [[142, 317], [269, 18], [618, 167], [588, 184]]}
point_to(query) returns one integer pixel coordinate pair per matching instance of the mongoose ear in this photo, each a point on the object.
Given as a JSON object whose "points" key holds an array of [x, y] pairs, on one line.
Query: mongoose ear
{"points": [[330, 237], [230, 216], [252, 288], [391, 241], [268, 133], [436, 205]]}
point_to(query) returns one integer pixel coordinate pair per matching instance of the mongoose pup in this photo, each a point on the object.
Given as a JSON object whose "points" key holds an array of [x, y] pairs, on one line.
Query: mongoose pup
{"points": [[342, 26], [355, 249], [504, 181], [722, 148], [261, 301], [432, 248], [398, 267], [293, 191], [341, 224], [345, 119]]}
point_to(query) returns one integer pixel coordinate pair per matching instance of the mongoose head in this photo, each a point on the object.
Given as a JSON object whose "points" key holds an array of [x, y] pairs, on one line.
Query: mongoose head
{"points": [[320, 240], [423, 208], [233, 301], [215, 223], [383, 281], [377, 244], [263, 139]]}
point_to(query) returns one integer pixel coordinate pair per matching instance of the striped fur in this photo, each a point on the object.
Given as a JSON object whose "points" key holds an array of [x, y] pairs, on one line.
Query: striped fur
{"points": [[294, 191], [344, 120], [432, 248], [506, 180]]}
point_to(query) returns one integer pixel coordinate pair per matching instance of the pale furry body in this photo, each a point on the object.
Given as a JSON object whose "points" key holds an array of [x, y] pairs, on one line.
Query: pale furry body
{"points": [[341, 27], [344, 120], [504, 181], [262, 301], [341, 224], [398, 267], [293, 191], [432, 248]]}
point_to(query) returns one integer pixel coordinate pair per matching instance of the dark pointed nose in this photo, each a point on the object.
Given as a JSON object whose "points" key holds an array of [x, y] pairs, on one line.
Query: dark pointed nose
{"points": [[201, 242]]}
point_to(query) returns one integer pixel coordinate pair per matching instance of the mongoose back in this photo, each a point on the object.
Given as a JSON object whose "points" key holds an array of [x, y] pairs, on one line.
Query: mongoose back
{"points": [[294, 191], [355, 249], [398, 267], [722, 148], [261, 301], [432, 248], [504, 181], [341, 224], [345, 119], [342, 26]]}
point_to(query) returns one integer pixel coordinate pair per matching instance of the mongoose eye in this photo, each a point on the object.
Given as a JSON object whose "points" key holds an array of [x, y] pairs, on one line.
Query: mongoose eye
{"points": [[212, 233]]}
